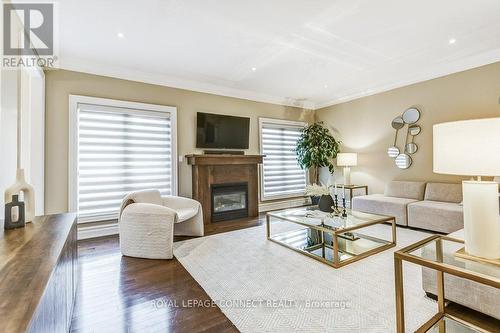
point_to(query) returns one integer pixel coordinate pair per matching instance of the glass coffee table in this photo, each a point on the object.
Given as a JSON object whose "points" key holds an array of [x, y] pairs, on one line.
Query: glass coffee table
{"points": [[335, 241]]}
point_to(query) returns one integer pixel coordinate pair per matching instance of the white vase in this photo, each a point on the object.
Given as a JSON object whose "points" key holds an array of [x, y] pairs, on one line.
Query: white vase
{"points": [[28, 194]]}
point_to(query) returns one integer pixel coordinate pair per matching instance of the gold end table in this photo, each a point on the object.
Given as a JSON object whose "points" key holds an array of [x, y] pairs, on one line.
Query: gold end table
{"points": [[429, 253], [351, 188]]}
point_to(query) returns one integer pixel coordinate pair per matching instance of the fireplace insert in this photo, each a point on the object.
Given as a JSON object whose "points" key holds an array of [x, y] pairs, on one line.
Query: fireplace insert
{"points": [[229, 201]]}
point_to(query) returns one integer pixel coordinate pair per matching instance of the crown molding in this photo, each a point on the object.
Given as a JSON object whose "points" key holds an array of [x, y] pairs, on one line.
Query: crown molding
{"points": [[451, 68], [89, 67], [79, 65]]}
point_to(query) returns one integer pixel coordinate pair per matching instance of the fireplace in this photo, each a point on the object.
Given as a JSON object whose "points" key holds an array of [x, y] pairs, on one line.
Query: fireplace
{"points": [[210, 171], [229, 201]]}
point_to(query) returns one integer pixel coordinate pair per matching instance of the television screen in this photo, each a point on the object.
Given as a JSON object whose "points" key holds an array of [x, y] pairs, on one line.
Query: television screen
{"points": [[223, 132]]}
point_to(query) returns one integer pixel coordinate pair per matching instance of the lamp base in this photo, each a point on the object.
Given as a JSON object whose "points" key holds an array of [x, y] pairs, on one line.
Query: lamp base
{"points": [[481, 219], [347, 176]]}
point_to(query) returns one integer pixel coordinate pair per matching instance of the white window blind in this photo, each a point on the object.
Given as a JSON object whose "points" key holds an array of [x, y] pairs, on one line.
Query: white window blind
{"points": [[281, 175], [120, 150]]}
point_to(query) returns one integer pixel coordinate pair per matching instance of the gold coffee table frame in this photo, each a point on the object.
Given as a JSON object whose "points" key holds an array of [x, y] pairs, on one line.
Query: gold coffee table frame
{"points": [[441, 268], [372, 219]]}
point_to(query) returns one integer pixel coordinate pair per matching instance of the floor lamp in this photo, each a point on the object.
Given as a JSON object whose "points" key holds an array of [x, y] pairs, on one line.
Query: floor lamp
{"points": [[472, 148]]}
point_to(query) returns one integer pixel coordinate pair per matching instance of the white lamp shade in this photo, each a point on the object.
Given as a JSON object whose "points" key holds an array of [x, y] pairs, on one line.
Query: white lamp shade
{"points": [[347, 159], [469, 148]]}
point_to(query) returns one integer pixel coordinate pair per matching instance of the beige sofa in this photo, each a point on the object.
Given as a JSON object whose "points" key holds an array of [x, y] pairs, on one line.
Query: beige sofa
{"points": [[440, 210], [430, 206], [394, 202]]}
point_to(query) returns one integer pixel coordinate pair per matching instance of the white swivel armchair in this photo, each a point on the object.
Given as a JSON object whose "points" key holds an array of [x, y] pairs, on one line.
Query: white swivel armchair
{"points": [[148, 223]]}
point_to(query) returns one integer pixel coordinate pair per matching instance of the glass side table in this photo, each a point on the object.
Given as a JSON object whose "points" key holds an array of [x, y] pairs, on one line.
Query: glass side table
{"points": [[429, 253], [351, 188]]}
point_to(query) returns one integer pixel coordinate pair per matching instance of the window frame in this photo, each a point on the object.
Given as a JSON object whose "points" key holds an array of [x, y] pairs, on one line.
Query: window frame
{"points": [[293, 123], [74, 101]]}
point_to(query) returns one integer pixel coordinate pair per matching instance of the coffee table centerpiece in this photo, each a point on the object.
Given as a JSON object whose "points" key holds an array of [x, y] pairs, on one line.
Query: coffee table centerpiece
{"points": [[334, 240]]}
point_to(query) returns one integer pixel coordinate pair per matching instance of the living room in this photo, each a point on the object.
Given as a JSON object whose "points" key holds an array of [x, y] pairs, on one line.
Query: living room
{"points": [[215, 167]]}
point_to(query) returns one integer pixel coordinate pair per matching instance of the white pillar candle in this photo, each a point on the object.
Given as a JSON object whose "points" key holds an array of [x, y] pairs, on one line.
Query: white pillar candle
{"points": [[481, 219], [343, 191], [335, 188]]}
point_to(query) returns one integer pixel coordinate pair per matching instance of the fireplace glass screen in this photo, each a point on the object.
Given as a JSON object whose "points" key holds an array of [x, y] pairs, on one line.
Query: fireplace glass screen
{"points": [[229, 201]]}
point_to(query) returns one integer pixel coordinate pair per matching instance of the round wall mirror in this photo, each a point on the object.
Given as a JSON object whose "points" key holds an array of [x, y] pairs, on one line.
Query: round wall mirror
{"points": [[411, 148], [398, 123], [411, 115], [393, 151], [414, 130], [403, 161]]}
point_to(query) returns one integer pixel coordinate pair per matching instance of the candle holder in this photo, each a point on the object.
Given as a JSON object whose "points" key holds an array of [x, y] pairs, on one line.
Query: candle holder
{"points": [[336, 202], [344, 212]]}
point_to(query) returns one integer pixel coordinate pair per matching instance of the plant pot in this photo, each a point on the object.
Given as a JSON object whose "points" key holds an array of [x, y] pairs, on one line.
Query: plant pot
{"points": [[325, 203], [315, 200]]}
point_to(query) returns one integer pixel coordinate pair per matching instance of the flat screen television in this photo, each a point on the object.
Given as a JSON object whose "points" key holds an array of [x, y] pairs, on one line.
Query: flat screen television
{"points": [[221, 132]]}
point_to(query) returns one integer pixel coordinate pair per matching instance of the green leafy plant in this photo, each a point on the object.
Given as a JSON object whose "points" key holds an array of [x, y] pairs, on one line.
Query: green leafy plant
{"points": [[316, 148]]}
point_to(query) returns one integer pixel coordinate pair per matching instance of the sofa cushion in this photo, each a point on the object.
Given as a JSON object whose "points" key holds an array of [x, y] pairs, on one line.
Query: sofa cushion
{"points": [[443, 192], [403, 189], [380, 204], [437, 216]]}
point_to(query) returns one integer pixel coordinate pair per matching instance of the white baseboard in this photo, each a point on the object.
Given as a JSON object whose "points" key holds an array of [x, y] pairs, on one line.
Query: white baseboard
{"points": [[93, 231], [273, 205]]}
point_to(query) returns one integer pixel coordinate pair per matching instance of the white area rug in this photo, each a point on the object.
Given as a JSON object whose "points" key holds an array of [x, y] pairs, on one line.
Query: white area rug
{"points": [[308, 296]]}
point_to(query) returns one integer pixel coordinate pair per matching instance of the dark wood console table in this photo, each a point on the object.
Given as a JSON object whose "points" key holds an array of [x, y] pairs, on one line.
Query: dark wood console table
{"points": [[38, 275]]}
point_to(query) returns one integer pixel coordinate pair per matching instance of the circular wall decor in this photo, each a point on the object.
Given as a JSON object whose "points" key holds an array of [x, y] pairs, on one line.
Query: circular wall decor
{"points": [[398, 123], [393, 151], [414, 130], [411, 115], [411, 148], [403, 161]]}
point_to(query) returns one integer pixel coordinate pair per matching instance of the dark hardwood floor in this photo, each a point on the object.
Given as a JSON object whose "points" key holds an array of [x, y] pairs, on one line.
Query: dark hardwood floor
{"points": [[123, 294]]}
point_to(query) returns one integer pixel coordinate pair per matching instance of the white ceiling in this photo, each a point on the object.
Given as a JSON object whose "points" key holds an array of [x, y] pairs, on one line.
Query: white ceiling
{"points": [[305, 52]]}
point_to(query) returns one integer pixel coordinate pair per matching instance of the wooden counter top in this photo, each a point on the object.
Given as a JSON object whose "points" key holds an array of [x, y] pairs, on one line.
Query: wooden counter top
{"points": [[28, 258]]}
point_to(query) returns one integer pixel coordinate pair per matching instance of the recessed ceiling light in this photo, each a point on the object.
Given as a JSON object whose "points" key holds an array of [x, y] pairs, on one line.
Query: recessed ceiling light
{"points": [[120, 35], [452, 41], [326, 86], [254, 69]]}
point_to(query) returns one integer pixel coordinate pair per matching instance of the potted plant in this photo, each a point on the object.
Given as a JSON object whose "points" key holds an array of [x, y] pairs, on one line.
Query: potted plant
{"points": [[316, 148]]}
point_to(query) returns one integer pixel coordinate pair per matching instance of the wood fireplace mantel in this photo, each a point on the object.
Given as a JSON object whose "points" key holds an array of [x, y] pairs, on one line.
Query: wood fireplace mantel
{"points": [[224, 169], [223, 159]]}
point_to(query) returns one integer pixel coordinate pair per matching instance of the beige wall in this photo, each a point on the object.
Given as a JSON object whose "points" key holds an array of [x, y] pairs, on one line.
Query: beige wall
{"points": [[364, 125], [60, 84]]}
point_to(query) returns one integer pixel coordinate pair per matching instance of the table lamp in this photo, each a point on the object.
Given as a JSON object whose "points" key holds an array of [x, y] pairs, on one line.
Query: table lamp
{"points": [[347, 160], [472, 148]]}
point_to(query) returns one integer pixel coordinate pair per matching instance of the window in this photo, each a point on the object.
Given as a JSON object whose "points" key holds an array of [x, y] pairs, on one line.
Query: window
{"points": [[281, 176], [117, 147]]}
